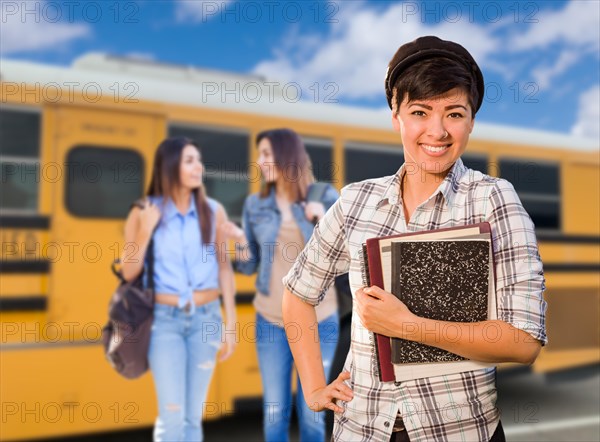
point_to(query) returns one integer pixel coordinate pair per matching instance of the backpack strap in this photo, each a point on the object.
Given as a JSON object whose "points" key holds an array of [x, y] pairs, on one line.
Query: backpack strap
{"points": [[150, 258], [316, 191], [139, 203]]}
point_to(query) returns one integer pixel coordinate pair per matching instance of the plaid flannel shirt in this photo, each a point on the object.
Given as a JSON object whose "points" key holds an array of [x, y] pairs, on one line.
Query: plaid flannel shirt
{"points": [[458, 407]]}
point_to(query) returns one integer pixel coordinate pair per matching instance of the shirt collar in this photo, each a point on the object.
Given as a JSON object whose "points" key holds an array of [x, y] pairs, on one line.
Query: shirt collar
{"points": [[391, 193], [447, 188], [170, 210]]}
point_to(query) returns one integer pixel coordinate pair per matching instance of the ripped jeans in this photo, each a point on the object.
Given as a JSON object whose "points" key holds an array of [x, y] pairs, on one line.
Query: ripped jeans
{"points": [[276, 362], [182, 356]]}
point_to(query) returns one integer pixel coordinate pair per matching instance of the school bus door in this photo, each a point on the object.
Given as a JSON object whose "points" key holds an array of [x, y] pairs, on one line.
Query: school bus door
{"points": [[106, 157]]}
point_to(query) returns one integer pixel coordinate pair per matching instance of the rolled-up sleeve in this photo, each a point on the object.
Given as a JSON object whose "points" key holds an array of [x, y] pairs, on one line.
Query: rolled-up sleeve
{"points": [[519, 273], [323, 258]]}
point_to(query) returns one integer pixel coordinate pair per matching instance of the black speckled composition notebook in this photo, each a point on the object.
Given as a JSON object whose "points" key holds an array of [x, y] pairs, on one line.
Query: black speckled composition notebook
{"points": [[445, 280]]}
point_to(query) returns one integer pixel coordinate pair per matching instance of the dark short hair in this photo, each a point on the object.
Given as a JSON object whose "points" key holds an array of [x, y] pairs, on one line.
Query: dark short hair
{"points": [[434, 77], [457, 68]]}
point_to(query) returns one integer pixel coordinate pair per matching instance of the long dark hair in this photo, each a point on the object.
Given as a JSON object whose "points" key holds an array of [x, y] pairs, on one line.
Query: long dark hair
{"points": [[292, 162], [166, 179]]}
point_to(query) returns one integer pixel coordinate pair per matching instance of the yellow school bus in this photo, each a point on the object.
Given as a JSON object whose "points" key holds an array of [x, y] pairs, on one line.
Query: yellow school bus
{"points": [[76, 149]]}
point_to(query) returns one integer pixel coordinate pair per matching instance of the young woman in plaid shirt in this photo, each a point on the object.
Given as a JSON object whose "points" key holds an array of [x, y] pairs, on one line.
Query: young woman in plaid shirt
{"points": [[434, 88]]}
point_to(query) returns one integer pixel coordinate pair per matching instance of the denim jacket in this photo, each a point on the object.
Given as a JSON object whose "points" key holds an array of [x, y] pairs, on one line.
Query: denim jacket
{"points": [[261, 220]]}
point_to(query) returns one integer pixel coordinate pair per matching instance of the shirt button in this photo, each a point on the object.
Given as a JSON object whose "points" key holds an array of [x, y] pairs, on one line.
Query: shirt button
{"points": [[386, 424]]}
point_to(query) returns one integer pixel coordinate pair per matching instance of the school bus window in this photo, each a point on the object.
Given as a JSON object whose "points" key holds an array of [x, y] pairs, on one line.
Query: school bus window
{"points": [[20, 133], [229, 193], [477, 162], [537, 183], [321, 156], [20, 181], [364, 161], [225, 156], [102, 182], [19, 160]]}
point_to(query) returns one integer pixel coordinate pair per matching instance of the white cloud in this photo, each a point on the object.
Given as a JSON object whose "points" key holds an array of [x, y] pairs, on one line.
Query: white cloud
{"points": [[588, 116], [356, 52], [572, 32], [576, 25], [34, 31], [199, 11], [544, 75]]}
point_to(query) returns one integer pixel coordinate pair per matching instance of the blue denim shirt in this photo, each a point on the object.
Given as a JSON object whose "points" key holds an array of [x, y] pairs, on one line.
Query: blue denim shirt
{"points": [[261, 220]]}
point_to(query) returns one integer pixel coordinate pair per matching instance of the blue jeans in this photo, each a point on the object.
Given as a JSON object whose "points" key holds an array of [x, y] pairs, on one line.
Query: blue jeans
{"points": [[183, 348], [276, 362]]}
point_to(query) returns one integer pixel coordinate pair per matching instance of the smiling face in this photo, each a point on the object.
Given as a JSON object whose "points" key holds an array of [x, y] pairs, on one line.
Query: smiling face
{"points": [[266, 161], [190, 168], [434, 132]]}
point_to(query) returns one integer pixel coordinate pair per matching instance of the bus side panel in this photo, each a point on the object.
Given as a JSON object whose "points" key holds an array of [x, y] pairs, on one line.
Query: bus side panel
{"points": [[58, 390], [581, 193]]}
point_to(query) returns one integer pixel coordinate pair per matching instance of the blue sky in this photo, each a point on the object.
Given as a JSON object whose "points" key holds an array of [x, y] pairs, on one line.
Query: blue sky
{"points": [[541, 60]]}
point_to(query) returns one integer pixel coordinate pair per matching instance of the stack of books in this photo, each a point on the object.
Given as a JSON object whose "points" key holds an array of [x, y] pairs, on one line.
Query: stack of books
{"points": [[444, 274]]}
